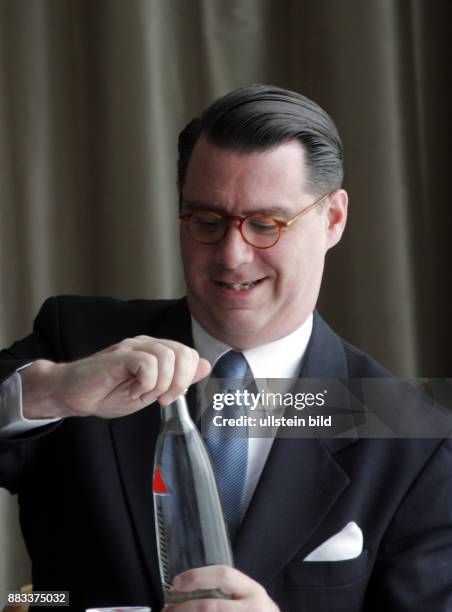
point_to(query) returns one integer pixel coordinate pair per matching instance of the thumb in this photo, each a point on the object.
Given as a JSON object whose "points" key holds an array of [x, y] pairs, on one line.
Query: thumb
{"points": [[203, 369]]}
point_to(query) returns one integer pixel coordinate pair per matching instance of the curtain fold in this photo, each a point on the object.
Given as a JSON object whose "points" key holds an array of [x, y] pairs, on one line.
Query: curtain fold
{"points": [[93, 95]]}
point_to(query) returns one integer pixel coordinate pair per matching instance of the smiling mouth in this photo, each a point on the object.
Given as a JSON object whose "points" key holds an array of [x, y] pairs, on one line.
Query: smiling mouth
{"points": [[240, 286]]}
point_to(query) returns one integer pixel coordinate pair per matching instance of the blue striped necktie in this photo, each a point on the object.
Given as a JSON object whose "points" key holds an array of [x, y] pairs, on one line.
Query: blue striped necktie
{"points": [[228, 447]]}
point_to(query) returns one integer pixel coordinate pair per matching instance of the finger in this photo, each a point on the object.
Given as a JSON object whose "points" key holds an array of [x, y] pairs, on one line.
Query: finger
{"points": [[166, 361], [188, 368], [203, 369], [177, 364], [209, 605], [144, 368], [185, 368], [168, 354], [228, 579]]}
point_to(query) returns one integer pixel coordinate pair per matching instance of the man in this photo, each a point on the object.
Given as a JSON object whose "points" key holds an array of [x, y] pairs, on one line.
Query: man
{"points": [[261, 203]]}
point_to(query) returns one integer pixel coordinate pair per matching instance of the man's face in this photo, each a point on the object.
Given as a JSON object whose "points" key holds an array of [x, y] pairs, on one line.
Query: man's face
{"points": [[285, 279]]}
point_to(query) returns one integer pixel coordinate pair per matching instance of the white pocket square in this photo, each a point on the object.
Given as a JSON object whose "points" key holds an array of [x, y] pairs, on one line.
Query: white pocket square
{"points": [[345, 545]]}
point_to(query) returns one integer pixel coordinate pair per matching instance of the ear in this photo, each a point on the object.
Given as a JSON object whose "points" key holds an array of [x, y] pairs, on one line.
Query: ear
{"points": [[336, 216]]}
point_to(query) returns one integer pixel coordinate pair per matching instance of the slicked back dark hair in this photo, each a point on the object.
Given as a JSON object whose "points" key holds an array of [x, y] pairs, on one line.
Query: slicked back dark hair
{"points": [[259, 117]]}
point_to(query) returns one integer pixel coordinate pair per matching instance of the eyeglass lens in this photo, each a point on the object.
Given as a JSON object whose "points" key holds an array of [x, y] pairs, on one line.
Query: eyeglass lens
{"points": [[258, 230]]}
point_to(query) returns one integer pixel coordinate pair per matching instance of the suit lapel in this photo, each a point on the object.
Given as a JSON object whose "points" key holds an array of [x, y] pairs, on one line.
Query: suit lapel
{"points": [[300, 482], [134, 439], [298, 486]]}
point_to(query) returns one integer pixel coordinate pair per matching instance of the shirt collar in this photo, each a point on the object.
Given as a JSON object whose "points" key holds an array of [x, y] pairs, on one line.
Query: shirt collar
{"points": [[278, 359]]}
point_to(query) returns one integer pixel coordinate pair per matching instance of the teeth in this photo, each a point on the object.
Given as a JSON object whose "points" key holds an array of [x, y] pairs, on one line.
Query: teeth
{"points": [[240, 286]]}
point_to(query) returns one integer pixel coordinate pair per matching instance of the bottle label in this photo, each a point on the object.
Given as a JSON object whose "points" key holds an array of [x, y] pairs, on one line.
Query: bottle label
{"points": [[158, 483]]}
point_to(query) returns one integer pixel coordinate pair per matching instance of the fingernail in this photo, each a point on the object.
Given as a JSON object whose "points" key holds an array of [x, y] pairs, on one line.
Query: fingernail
{"points": [[167, 399], [148, 398]]}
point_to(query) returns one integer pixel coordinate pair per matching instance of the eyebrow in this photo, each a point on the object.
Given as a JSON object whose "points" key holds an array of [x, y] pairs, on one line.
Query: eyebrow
{"points": [[274, 211]]}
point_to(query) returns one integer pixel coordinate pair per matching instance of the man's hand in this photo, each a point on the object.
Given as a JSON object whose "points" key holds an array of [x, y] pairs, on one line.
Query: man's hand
{"points": [[114, 382], [246, 594]]}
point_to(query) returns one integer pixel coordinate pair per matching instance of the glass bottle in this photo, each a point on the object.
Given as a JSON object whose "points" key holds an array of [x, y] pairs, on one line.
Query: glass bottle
{"points": [[190, 526]]}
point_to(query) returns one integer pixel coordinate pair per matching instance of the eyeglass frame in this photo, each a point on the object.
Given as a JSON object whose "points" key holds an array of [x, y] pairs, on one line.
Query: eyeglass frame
{"points": [[242, 218]]}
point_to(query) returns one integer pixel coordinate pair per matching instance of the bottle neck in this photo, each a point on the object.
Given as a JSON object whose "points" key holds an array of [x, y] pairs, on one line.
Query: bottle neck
{"points": [[176, 410]]}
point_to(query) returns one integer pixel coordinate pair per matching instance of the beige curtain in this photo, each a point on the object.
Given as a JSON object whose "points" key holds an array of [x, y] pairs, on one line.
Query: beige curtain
{"points": [[93, 94]]}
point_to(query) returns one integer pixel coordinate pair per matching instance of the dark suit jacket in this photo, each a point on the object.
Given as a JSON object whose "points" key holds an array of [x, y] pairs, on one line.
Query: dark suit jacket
{"points": [[86, 505]]}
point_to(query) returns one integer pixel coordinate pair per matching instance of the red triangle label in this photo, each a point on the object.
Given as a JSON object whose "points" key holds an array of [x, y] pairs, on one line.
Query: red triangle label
{"points": [[158, 484]]}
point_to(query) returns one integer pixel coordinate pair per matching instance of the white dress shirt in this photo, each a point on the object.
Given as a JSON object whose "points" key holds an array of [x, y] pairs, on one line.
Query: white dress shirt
{"points": [[12, 420], [279, 359]]}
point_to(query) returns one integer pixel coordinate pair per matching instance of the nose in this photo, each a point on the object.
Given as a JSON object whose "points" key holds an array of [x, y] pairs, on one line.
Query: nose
{"points": [[233, 251]]}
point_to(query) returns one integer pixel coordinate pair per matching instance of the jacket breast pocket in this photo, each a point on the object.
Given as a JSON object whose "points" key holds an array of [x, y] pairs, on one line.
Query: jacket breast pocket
{"points": [[326, 573]]}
